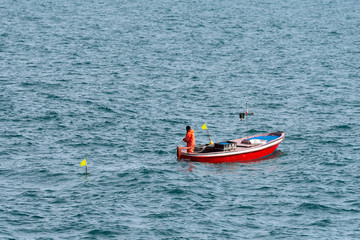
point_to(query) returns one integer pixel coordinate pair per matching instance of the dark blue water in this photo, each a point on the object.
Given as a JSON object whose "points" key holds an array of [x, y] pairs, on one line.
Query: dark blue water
{"points": [[116, 82]]}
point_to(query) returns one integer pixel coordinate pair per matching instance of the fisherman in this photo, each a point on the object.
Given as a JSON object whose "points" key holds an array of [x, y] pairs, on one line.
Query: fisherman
{"points": [[190, 139]]}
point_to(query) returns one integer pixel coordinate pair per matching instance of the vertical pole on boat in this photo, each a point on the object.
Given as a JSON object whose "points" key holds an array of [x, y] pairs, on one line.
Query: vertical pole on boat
{"points": [[247, 124], [205, 127], [245, 115], [209, 136]]}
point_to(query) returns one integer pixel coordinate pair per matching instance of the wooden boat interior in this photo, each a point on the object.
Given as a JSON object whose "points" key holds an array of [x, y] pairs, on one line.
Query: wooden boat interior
{"points": [[240, 143]]}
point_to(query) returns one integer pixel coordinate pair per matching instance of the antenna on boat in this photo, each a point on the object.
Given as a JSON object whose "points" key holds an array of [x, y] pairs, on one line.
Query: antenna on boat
{"points": [[242, 116]]}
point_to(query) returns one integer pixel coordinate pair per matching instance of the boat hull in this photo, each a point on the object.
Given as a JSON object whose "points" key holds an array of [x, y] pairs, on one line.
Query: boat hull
{"points": [[241, 154]]}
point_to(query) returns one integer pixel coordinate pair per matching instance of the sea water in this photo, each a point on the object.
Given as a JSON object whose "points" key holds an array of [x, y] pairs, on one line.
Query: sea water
{"points": [[116, 83]]}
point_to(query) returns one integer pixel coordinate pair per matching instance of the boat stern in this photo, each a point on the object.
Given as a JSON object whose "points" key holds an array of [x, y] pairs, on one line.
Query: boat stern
{"points": [[180, 151]]}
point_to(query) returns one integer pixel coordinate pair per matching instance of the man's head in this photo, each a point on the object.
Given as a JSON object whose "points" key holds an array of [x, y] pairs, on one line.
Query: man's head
{"points": [[188, 128]]}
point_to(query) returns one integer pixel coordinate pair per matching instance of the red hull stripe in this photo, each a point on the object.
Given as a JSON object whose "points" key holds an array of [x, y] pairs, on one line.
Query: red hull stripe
{"points": [[234, 158]]}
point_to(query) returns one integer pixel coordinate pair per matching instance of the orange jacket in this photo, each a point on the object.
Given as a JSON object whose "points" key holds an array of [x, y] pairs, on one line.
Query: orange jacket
{"points": [[190, 140]]}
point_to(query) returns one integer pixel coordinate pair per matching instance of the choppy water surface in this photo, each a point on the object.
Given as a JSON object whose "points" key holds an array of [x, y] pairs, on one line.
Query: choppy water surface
{"points": [[116, 82]]}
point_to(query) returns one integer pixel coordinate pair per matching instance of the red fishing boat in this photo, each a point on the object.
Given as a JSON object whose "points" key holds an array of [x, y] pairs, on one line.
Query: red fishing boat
{"points": [[238, 150]]}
